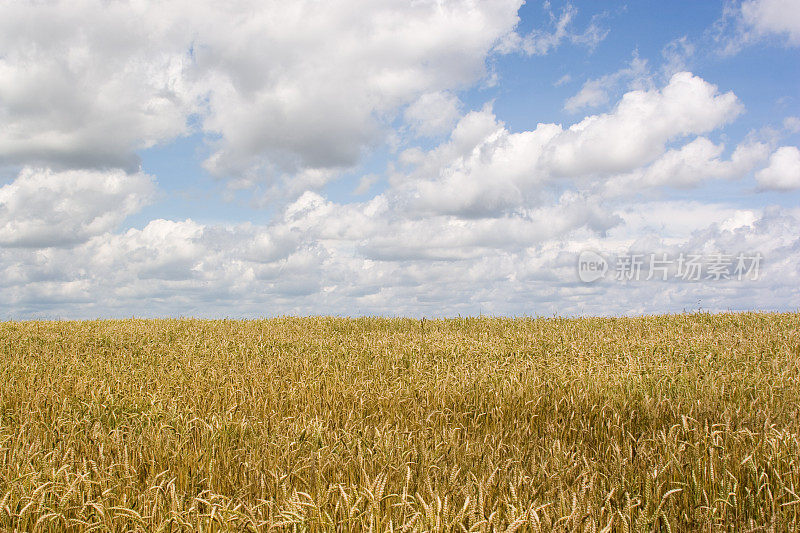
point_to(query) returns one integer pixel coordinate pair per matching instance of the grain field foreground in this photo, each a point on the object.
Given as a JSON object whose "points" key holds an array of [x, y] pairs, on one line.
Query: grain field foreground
{"points": [[671, 423]]}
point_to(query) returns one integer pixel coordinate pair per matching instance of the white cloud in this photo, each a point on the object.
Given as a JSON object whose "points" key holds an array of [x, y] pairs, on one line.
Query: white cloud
{"points": [[742, 218], [282, 96], [163, 249], [447, 238], [783, 172], [595, 92], [433, 114], [778, 17], [88, 83], [540, 42], [42, 208], [484, 170], [791, 124], [566, 78], [442, 266], [673, 221], [635, 132], [293, 93], [677, 54], [693, 163], [754, 21], [85, 84], [365, 183]]}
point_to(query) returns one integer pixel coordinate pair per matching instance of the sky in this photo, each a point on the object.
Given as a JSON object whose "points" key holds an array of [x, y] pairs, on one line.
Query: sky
{"points": [[374, 157]]}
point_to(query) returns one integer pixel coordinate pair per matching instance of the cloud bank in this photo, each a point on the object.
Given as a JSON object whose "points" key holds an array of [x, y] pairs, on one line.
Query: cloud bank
{"points": [[468, 216]]}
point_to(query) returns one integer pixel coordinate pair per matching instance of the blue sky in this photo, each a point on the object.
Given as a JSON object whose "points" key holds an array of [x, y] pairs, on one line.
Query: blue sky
{"points": [[426, 159]]}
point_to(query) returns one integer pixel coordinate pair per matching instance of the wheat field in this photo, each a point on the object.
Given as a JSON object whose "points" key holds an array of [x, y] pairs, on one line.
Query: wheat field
{"points": [[685, 422]]}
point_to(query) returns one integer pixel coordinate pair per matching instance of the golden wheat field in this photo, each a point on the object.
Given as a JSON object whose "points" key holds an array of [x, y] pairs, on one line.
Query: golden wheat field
{"points": [[670, 423]]}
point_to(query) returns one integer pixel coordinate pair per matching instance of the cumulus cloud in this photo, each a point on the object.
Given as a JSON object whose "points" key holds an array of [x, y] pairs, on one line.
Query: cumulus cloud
{"points": [[433, 114], [638, 128], [743, 24], [779, 17], [270, 270], [476, 216], [484, 170], [783, 172], [87, 84], [281, 94], [448, 238], [693, 163], [42, 208], [163, 249]]}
